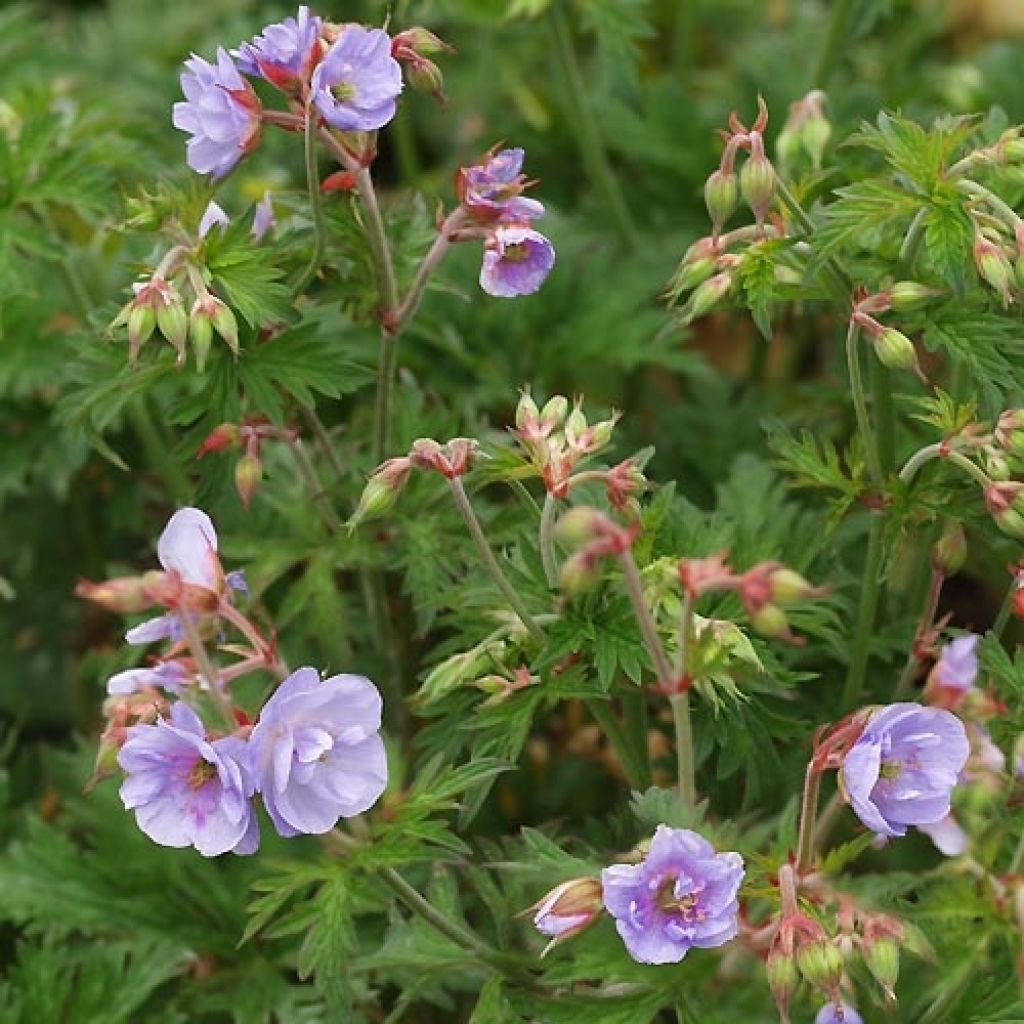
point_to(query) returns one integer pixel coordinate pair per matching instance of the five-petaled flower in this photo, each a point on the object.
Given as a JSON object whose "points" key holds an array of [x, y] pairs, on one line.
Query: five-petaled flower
{"points": [[285, 53], [517, 259], [957, 667], [902, 768], [317, 751], [491, 190], [220, 112], [187, 790], [683, 894], [838, 1013], [356, 85]]}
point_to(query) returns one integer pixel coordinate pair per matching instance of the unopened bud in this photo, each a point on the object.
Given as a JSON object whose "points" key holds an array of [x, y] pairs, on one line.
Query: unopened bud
{"points": [[721, 195], [124, 595], [425, 76], [554, 411], [578, 573], [172, 321], [1011, 522], [526, 411], [770, 621], [575, 425], [707, 295], [789, 587], [950, 550], [993, 266], [906, 296], [567, 909], [141, 324], [997, 465], [787, 146], [580, 526], [821, 964], [422, 40], [248, 474], [226, 325], [895, 350], [783, 978], [814, 135], [882, 957], [381, 490], [227, 435], [690, 275], [757, 183]]}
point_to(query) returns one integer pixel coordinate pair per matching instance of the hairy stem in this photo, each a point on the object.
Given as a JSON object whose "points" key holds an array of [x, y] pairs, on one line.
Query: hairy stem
{"points": [[942, 451], [684, 748], [437, 251], [316, 208], [490, 562], [206, 669], [871, 586], [547, 539], [927, 618], [860, 405], [808, 812], [648, 628]]}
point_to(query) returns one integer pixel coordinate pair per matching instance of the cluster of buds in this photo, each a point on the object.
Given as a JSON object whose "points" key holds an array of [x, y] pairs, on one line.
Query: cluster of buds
{"points": [[120, 712], [893, 348], [765, 590], [592, 536], [246, 437], [806, 131], [450, 460], [413, 49], [557, 439], [159, 303]]}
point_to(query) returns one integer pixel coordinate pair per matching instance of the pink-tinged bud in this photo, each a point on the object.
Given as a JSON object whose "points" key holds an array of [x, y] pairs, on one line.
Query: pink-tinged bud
{"points": [[124, 595], [451, 460], [567, 910], [227, 435], [554, 412], [821, 964], [575, 425], [579, 573], [896, 350], [382, 490], [1010, 431], [248, 476], [173, 324], [789, 587], [993, 266], [141, 324], [771, 622], [339, 181], [1003, 500], [425, 76], [906, 296], [690, 275], [707, 295], [882, 958], [1018, 272], [997, 465], [722, 196], [757, 184], [581, 525], [950, 551], [814, 135], [421, 40], [527, 413], [783, 978]]}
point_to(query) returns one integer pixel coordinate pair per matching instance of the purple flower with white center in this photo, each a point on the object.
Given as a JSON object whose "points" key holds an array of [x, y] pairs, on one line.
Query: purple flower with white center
{"points": [[262, 218], [187, 547], [682, 895], [957, 666], [947, 835], [491, 190], [356, 85], [902, 768], [841, 1014], [187, 790], [171, 676], [517, 259], [317, 751], [220, 112], [285, 53], [213, 214]]}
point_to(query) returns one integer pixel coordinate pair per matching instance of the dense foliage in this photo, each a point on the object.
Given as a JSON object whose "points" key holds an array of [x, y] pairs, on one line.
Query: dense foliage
{"points": [[669, 492]]}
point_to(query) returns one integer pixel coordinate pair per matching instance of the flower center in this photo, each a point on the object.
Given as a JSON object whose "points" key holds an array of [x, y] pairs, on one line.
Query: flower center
{"points": [[201, 773], [344, 91], [684, 905], [890, 770], [516, 252]]}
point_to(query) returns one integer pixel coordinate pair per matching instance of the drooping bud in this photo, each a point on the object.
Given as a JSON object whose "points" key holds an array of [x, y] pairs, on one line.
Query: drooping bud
{"points": [[783, 977], [554, 412], [141, 324], [707, 295], [201, 331], [950, 550], [1001, 499], [882, 958], [821, 964], [248, 475], [789, 587], [172, 321], [382, 490], [906, 296], [770, 621], [581, 525], [895, 350], [814, 135], [578, 573], [721, 196], [757, 181], [225, 436], [567, 910], [997, 465], [993, 266], [1010, 431], [426, 77], [527, 412]]}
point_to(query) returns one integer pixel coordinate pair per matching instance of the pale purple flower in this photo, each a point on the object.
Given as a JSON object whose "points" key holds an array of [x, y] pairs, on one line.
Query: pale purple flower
{"points": [[236, 581], [187, 546], [220, 112], [171, 676], [490, 190], [356, 85], [213, 214], [187, 790], [317, 751], [263, 217], [517, 259], [683, 894], [285, 52], [842, 1014], [947, 835], [957, 666], [902, 768]]}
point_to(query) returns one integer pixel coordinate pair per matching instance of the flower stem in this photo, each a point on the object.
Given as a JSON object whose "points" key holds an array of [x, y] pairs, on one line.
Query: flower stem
{"points": [[441, 244], [616, 736], [1018, 856], [860, 405], [490, 562], [585, 127], [1004, 610], [927, 617], [942, 451], [316, 491], [684, 748], [1006, 212], [869, 594], [206, 670], [808, 812], [315, 205], [648, 629], [161, 460], [547, 539], [835, 41], [324, 442], [787, 890]]}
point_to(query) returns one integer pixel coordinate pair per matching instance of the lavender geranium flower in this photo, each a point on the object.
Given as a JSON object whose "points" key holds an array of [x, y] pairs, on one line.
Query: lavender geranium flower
{"points": [[947, 835], [957, 666], [830, 1013], [902, 768], [517, 259], [187, 790], [356, 85], [285, 53], [317, 751], [171, 676], [682, 895], [490, 190], [220, 112]]}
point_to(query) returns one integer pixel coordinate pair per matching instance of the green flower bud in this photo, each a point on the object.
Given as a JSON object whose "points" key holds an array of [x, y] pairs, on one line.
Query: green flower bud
{"points": [[526, 410], [997, 465], [882, 957], [783, 977], [821, 964], [225, 324], [554, 410], [248, 474], [895, 350], [787, 146], [814, 134], [707, 295], [770, 621], [578, 574], [950, 550], [757, 184], [172, 321], [721, 195], [993, 267], [690, 275], [579, 526], [1011, 522], [906, 296], [141, 324], [789, 587]]}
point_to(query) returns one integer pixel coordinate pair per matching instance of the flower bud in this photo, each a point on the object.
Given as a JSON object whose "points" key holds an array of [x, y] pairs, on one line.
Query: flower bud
{"points": [[783, 978], [707, 295], [425, 76], [882, 957], [172, 321], [420, 39], [789, 587], [227, 435], [554, 411], [997, 465], [821, 964], [770, 621], [788, 145], [950, 550], [580, 526], [526, 411], [895, 350], [123, 595], [141, 324], [1011, 522], [906, 296], [578, 573], [690, 275], [757, 184], [381, 490], [201, 331], [993, 266], [248, 474], [814, 135], [1010, 431], [567, 910], [721, 195]]}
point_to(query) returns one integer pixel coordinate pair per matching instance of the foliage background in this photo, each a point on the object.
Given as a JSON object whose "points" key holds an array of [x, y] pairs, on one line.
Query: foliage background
{"points": [[90, 87]]}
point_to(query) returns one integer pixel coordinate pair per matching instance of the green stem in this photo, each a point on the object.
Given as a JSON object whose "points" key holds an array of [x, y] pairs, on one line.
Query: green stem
{"points": [[828, 818], [912, 244], [684, 748], [315, 205], [927, 618], [1006, 212], [160, 458], [943, 452], [840, 286], [316, 491], [206, 670], [1005, 608], [869, 594], [1018, 856], [648, 628], [585, 126], [860, 405], [490, 562], [324, 442], [547, 539], [808, 812], [835, 41], [885, 414], [616, 736]]}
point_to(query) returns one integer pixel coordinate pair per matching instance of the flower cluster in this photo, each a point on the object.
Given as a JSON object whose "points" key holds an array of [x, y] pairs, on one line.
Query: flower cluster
{"points": [[314, 753]]}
